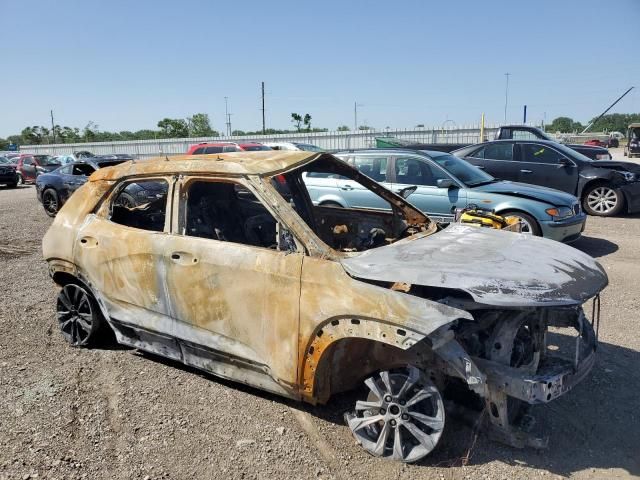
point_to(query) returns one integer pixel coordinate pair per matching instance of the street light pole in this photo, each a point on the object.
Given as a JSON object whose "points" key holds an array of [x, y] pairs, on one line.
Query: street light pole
{"points": [[506, 97]]}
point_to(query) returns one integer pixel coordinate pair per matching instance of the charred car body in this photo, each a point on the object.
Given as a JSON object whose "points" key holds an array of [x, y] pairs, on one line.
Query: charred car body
{"points": [[233, 270]]}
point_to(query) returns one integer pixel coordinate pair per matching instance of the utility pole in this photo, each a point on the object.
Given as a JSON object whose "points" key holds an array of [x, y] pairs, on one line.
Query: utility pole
{"points": [[227, 116], [506, 97], [53, 128], [524, 120], [264, 130], [355, 116]]}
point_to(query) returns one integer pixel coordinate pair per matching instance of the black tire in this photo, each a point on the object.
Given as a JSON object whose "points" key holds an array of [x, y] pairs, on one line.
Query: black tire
{"points": [[126, 200], [602, 200], [50, 202], [330, 203], [531, 224], [12, 185], [79, 317]]}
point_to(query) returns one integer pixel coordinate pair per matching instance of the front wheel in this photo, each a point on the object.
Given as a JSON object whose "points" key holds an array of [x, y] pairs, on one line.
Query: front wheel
{"points": [[20, 180], [402, 417], [529, 224], [602, 200]]}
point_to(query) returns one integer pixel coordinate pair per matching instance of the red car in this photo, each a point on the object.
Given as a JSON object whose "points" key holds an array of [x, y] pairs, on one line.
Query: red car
{"points": [[595, 143], [220, 147], [29, 166]]}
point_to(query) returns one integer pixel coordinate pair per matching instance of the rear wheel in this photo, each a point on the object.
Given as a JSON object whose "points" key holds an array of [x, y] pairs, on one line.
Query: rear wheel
{"points": [[20, 180], [529, 224], [602, 200], [79, 317], [402, 417], [50, 202]]}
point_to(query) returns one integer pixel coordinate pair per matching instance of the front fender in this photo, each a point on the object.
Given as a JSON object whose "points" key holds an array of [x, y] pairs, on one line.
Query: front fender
{"points": [[336, 306]]}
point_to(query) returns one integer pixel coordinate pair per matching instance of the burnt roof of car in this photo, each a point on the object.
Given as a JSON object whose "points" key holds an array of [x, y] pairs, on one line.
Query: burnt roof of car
{"points": [[266, 162]]}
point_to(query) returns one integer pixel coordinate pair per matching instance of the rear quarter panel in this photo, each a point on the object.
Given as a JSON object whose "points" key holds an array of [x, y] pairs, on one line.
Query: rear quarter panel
{"points": [[58, 242]]}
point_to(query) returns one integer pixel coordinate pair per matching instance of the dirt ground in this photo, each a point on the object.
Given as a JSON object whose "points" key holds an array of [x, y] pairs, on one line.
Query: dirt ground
{"points": [[117, 413]]}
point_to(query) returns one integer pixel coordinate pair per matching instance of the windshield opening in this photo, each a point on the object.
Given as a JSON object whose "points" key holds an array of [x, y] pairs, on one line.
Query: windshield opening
{"points": [[343, 224], [307, 147], [46, 160], [255, 148], [462, 170]]}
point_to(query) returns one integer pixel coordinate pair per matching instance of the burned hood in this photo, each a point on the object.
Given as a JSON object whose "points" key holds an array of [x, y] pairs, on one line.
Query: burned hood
{"points": [[494, 267]]}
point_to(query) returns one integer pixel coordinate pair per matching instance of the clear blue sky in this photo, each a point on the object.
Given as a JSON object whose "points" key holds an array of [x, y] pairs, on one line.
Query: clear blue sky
{"points": [[127, 64]]}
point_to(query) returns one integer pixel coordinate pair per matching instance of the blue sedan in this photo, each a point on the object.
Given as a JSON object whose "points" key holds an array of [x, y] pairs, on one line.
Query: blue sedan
{"points": [[437, 183]]}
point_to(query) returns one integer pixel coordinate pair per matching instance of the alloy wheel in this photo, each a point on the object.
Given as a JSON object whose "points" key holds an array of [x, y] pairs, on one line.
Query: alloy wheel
{"points": [[402, 417], [602, 200], [526, 226], [75, 314], [50, 202]]}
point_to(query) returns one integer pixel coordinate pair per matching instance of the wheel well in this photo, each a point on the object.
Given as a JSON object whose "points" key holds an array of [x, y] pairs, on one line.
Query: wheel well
{"points": [[593, 183], [329, 202], [64, 278], [516, 210], [348, 361]]}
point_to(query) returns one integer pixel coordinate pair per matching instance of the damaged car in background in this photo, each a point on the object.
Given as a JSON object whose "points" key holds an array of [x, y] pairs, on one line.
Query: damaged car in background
{"points": [[230, 268]]}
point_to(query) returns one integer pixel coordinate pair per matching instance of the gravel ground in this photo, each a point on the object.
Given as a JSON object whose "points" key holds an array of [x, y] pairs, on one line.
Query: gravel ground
{"points": [[117, 413]]}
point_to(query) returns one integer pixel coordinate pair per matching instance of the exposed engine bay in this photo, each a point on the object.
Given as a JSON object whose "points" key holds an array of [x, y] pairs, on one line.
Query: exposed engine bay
{"points": [[351, 229]]}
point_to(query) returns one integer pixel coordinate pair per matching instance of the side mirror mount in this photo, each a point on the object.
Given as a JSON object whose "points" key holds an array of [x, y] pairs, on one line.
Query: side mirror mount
{"points": [[564, 162], [445, 183], [406, 191]]}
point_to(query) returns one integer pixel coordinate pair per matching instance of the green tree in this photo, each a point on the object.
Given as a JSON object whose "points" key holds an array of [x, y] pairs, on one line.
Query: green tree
{"points": [[307, 121], [614, 122], [297, 120], [4, 144], [90, 131], [238, 132], [564, 125], [364, 127], [199, 125], [343, 128], [173, 128]]}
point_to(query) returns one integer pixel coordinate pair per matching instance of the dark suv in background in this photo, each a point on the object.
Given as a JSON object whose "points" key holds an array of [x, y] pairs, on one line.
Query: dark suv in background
{"points": [[606, 187], [8, 174]]}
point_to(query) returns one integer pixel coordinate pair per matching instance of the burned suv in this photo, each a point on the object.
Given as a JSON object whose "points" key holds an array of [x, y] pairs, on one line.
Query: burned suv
{"points": [[230, 268]]}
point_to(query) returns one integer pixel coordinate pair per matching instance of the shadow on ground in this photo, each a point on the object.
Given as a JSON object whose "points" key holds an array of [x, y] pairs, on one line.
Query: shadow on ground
{"points": [[596, 247], [594, 426]]}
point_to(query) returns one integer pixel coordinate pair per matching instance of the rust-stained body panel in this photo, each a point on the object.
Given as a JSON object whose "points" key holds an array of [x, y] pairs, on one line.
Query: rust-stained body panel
{"points": [[305, 320]]}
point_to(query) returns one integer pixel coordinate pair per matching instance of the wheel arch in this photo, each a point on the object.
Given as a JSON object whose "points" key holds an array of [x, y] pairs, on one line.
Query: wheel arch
{"points": [[342, 351], [331, 198], [69, 274], [507, 210], [603, 181]]}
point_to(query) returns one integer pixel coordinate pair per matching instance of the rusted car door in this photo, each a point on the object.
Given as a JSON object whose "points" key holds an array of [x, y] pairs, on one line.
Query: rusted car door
{"points": [[232, 290], [120, 251]]}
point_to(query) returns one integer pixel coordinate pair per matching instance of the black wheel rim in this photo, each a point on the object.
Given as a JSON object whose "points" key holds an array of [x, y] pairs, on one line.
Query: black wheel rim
{"points": [[49, 202], [75, 314]]}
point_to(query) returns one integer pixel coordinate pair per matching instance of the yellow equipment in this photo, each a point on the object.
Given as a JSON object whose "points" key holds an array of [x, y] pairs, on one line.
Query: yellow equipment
{"points": [[473, 215]]}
